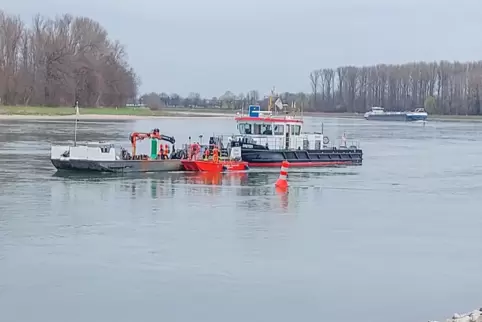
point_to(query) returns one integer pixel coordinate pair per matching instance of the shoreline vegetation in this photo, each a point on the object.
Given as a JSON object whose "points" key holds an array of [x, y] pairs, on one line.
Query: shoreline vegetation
{"points": [[129, 113]]}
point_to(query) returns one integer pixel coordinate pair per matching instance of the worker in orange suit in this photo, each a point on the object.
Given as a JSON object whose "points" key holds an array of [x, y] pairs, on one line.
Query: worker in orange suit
{"points": [[206, 154], [160, 154], [196, 151], [215, 154], [166, 151]]}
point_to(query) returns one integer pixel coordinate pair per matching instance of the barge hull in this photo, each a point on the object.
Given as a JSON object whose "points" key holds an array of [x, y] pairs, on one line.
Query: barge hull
{"points": [[398, 118], [118, 166], [303, 158]]}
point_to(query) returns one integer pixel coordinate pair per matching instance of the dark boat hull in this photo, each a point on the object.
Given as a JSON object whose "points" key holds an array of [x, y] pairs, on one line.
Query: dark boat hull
{"points": [[403, 117], [118, 165], [302, 158]]}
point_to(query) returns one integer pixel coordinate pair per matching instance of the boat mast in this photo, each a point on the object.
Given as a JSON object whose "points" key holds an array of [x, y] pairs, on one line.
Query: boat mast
{"points": [[301, 109], [77, 113]]}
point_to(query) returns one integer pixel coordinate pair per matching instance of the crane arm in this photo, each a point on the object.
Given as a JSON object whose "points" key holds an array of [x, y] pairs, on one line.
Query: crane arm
{"points": [[137, 136], [163, 137], [167, 138]]}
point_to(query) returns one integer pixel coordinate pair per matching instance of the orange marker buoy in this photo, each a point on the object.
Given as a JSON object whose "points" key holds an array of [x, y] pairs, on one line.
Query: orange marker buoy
{"points": [[282, 182]]}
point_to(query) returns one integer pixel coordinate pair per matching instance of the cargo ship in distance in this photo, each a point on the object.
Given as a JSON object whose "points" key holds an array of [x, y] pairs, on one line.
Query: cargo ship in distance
{"points": [[379, 114], [267, 139]]}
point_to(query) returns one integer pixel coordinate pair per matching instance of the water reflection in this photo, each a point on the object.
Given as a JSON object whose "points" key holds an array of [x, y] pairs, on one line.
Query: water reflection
{"points": [[255, 190], [246, 191], [283, 196], [217, 179], [251, 191]]}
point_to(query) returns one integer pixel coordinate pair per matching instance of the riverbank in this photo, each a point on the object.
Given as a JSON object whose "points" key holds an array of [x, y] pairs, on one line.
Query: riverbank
{"points": [[109, 113], [126, 113]]}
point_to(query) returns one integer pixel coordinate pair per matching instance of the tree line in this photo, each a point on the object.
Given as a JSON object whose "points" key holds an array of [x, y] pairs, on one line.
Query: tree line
{"points": [[60, 61], [440, 87], [194, 100]]}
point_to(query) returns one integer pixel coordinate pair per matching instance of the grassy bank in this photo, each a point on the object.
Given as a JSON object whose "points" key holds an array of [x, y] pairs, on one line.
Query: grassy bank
{"points": [[199, 110], [64, 111]]}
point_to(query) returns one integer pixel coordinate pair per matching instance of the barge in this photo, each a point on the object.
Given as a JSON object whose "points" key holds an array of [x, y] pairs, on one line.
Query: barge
{"points": [[379, 114], [106, 157]]}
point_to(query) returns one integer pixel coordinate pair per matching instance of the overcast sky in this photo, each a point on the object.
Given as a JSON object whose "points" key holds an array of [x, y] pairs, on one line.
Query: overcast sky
{"points": [[210, 46]]}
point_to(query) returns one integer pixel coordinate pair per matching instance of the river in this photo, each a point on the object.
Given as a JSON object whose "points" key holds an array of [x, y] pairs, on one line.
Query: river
{"points": [[396, 239]]}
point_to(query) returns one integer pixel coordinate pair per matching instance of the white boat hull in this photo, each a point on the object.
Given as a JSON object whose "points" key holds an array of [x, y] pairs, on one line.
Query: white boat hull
{"points": [[102, 157]]}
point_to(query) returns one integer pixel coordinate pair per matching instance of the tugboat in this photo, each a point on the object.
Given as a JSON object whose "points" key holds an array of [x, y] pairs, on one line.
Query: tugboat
{"points": [[266, 140], [379, 114]]}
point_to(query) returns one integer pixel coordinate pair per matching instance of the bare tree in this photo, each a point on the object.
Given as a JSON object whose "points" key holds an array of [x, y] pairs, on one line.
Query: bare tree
{"points": [[314, 79], [60, 61], [194, 99], [252, 97], [11, 31]]}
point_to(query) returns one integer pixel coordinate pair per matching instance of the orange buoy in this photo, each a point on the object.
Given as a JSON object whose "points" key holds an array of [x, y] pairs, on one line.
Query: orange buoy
{"points": [[282, 182]]}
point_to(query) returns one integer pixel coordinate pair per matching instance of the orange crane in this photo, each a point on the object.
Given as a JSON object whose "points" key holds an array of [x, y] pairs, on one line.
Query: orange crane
{"points": [[154, 134]]}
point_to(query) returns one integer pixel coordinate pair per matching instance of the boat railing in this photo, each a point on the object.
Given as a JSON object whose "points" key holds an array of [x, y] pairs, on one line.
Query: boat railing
{"points": [[303, 142], [270, 114], [351, 144]]}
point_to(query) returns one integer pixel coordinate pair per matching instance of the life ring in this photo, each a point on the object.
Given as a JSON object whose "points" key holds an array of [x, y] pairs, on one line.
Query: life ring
{"points": [[326, 140]]}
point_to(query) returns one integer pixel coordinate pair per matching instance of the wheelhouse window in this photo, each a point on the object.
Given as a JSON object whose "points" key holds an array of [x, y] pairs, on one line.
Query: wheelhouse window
{"points": [[245, 128], [257, 128], [262, 129], [279, 129], [295, 129], [266, 129]]}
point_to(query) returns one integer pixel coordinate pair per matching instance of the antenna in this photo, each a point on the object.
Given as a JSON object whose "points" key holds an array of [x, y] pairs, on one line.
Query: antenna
{"points": [[77, 113], [271, 96]]}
